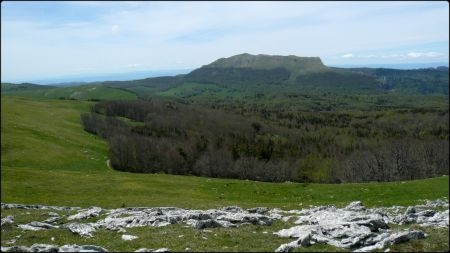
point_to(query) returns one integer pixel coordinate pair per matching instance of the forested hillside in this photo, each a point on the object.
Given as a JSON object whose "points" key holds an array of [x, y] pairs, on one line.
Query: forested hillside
{"points": [[272, 145]]}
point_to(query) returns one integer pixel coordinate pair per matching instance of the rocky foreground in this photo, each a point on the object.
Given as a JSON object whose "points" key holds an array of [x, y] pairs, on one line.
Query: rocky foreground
{"points": [[353, 227]]}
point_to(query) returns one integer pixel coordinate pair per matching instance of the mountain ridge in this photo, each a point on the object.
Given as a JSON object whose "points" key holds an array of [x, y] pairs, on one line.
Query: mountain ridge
{"points": [[297, 65], [245, 75]]}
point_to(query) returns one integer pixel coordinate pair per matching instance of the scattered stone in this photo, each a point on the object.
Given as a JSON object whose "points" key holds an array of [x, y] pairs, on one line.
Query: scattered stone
{"points": [[201, 224], [20, 206], [354, 226], [286, 218], [91, 212], [161, 250], [425, 218], [15, 249], [232, 209], [53, 219], [287, 247], [152, 250], [82, 248], [260, 210], [355, 206], [129, 237], [36, 225], [43, 248], [435, 203], [410, 210], [394, 239], [7, 220], [14, 240], [81, 229]]}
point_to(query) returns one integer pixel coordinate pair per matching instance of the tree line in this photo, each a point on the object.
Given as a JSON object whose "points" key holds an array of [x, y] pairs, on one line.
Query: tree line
{"points": [[160, 136]]}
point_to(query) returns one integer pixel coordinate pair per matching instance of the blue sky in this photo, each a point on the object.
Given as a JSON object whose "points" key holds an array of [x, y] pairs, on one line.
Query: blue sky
{"points": [[46, 39]]}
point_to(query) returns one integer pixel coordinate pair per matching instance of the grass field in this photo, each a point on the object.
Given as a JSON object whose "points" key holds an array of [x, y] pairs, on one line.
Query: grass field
{"points": [[47, 158], [81, 92]]}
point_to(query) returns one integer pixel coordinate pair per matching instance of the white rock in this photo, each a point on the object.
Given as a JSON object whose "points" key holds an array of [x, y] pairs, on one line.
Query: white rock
{"points": [[7, 220], [129, 237], [43, 248], [82, 229], [36, 225], [152, 250], [162, 250], [91, 212], [82, 248]]}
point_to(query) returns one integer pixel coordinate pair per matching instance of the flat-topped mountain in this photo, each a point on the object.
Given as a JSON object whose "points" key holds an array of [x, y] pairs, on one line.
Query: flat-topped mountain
{"points": [[295, 64], [246, 70]]}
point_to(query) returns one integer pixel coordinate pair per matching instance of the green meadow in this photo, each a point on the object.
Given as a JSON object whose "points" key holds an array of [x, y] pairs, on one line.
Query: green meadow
{"points": [[47, 158]]}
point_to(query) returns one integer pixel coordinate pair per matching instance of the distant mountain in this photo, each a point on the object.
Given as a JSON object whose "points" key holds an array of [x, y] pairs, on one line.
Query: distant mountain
{"points": [[421, 81], [12, 87], [247, 77], [294, 64], [304, 73], [73, 80]]}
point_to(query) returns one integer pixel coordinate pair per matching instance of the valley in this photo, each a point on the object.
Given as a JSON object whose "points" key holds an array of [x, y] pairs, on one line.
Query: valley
{"points": [[48, 157]]}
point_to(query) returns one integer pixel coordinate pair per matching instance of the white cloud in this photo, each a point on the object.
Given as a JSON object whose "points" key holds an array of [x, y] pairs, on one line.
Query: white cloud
{"points": [[134, 65], [421, 55], [115, 29], [348, 56], [394, 55]]}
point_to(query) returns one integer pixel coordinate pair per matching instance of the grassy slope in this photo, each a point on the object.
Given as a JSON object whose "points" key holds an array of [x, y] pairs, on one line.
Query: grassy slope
{"points": [[81, 92], [46, 136]]}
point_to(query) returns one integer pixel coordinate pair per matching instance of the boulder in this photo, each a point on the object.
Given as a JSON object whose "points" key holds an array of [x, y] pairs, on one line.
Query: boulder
{"points": [[15, 249], [232, 209], [355, 206], [44, 248], [405, 236], [53, 219], [202, 224], [7, 220], [81, 229], [129, 237], [36, 225], [152, 250], [259, 210], [410, 210], [91, 212], [81, 248], [386, 240]]}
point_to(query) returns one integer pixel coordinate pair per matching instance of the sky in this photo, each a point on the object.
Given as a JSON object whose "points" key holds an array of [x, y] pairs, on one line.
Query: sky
{"points": [[49, 39]]}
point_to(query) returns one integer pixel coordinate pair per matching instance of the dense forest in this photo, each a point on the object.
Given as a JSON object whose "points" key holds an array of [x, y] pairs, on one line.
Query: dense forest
{"points": [[275, 144]]}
